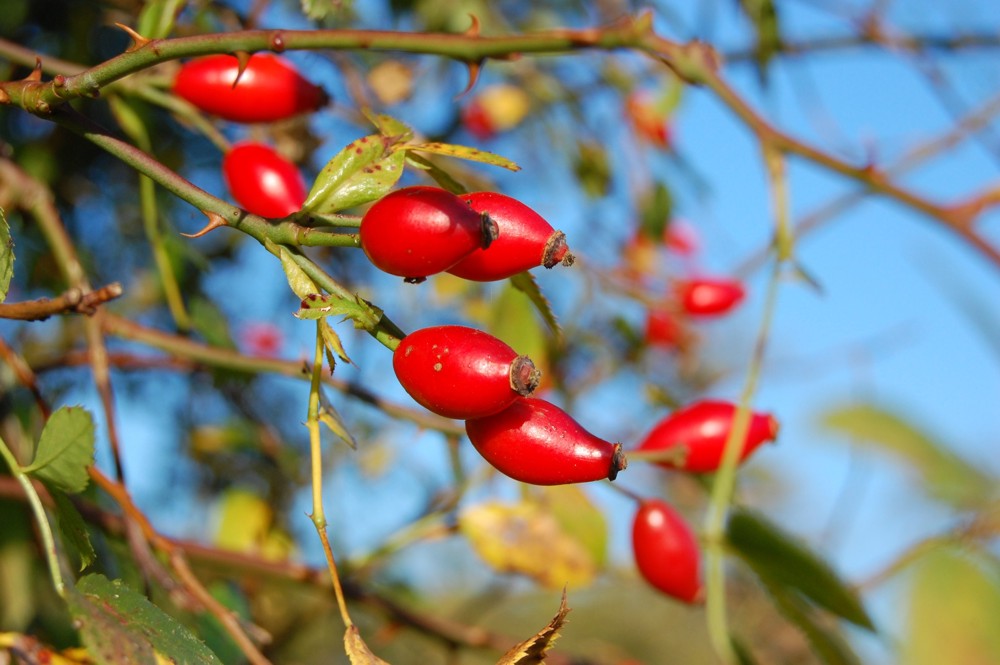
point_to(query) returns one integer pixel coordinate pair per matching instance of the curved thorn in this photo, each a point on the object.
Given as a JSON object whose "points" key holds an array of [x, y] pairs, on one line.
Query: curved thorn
{"points": [[215, 221], [138, 41]]}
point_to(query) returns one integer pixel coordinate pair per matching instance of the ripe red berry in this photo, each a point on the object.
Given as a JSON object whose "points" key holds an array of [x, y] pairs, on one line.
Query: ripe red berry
{"points": [[460, 372], [537, 442], [419, 231], [262, 181], [269, 89], [649, 123], [699, 431], [666, 551], [477, 120], [526, 241], [664, 330], [709, 296]]}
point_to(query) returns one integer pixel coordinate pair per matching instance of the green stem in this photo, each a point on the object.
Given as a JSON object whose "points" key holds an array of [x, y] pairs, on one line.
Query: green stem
{"points": [[48, 539], [724, 483]]}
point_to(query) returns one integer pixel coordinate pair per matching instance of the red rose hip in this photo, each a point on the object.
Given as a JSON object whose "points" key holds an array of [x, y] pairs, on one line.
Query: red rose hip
{"points": [[460, 372], [698, 434], [419, 231], [536, 442], [262, 181], [708, 296], [526, 241], [666, 551], [269, 89]]}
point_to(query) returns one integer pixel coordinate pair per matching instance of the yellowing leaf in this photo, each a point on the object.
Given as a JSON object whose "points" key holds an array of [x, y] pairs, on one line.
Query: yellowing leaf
{"points": [[578, 517], [532, 651], [465, 152], [953, 610], [524, 538], [357, 651], [6, 256], [244, 521]]}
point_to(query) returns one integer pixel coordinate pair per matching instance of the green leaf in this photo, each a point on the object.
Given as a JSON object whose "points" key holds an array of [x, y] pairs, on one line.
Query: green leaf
{"points": [[464, 152], [362, 172], [364, 314], [390, 127], [526, 284], [65, 450], [512, 319], [953, 608], [440, 176], [764, 16], [655, 213], [6, 256], [332, 345], [300, 283], [72, 528], [210, 323], [579, 518], [329, 416], [783, 562], [211, 629], [946, 476], [156, 20], [119, 626], [827, 643]]}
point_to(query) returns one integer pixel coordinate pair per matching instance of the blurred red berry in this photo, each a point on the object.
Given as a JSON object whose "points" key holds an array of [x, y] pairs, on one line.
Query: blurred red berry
{"points": [[707, 297]]}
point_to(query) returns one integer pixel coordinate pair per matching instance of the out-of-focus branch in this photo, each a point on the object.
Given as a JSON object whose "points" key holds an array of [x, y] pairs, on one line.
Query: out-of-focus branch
{"points": [[72, 300]]}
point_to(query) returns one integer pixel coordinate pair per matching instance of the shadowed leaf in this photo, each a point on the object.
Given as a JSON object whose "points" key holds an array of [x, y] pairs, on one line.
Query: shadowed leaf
{"points": [[65, 450], [120, 627], [526, 284], [72, 528], [6, 256], [783, 562]]}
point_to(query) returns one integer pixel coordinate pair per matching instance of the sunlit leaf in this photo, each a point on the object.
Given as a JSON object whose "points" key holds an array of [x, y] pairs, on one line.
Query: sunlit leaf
{"points": [[6, 256], [357, 651], [300, 283], [578, 517], [524, 538], [244, 519], [532, 651], [363, 313], [362, 172], [72, 528], [786, 563], [526, 284], [332, 344], [946, 476], [328, 416], [953, 609], [464, 152], [390, 127], [156, 20], [120, 627], [65, 450]]}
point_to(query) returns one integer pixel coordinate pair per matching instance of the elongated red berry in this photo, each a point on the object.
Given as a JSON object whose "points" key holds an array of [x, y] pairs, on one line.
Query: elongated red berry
{"points": [[526, 241], [536, 442], [262, 181], [666, 551], [698, 433], [460, 372], [419, 231], [269, 89], [707, 296]]}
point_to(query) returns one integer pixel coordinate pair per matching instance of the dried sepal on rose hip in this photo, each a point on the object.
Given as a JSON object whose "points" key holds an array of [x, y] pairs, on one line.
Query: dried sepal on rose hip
{"points": [[269, 89], [536, 442], [666, 551], [709, 296], [419, 231], [696, 435], [262, 181], [461, 372], [526, 241]]}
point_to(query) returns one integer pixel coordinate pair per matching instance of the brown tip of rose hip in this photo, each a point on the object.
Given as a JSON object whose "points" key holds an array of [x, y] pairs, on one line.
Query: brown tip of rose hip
{"points": [[618, 462], [524, 376], [557, 251], [490, 229], [773, 426]]}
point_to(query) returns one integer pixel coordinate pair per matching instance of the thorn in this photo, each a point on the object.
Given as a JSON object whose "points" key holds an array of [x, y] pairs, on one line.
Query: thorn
{"points": [[215, 221], [36, 73], [473, 30], [474, 69], [244, 59], [138, 41]]}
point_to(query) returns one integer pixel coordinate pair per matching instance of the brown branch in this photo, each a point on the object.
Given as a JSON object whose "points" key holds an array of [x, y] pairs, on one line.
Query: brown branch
{"points": [[72, 300]]}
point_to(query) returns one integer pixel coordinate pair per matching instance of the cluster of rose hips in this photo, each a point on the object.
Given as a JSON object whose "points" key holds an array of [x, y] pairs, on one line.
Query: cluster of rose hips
{"points": [[464, 373]]}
